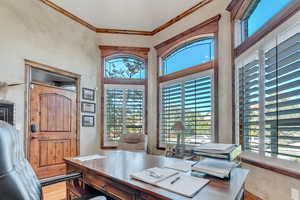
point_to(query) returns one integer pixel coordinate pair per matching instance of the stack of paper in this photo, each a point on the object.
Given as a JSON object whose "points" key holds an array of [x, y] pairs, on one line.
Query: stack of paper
{"points": [[216, 148], [171, 180], [214, 167]]}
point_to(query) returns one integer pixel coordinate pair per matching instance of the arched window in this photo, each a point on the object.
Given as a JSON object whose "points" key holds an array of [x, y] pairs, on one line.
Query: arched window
{"points": [[124, 67], [259, 13], [186, 98], [189, 55], [124, 92]]}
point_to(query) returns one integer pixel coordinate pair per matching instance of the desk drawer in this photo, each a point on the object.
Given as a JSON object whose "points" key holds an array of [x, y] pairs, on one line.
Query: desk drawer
{"points": [[147, 197], [120, 193], [109, 187], [97, 181]]}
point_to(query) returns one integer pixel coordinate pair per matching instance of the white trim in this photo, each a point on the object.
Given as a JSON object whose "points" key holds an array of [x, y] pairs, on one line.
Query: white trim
{"points": [[119, 86], [190, 77]]}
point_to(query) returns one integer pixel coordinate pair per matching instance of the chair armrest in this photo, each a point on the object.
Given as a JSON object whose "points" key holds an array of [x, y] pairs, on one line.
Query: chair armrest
{"points": [[58, 179]]}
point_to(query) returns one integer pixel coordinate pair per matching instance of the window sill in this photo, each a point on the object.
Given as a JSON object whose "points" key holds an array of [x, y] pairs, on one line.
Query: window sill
{"points": [[285, 167]]}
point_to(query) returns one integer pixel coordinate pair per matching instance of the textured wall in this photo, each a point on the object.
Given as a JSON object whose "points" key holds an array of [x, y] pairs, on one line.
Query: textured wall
{"points": [[31, 30]]}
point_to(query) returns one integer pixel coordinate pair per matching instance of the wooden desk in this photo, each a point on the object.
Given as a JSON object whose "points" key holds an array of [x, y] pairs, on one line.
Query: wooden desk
{"points": [[111, 175]]}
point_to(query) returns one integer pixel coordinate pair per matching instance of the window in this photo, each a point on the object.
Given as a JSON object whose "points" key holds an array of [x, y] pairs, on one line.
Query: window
{"points": [[124, 67], [192, 54], [188, 100], [259, 13], [124, 112], [123, 93], [269, 96]]}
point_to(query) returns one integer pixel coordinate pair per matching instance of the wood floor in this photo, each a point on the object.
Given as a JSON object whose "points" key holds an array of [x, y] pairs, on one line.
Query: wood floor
{"points": [[58, 192], [55, 192]]}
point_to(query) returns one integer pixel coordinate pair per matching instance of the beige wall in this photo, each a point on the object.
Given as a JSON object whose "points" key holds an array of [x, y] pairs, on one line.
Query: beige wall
{"points": [[31, 30]]}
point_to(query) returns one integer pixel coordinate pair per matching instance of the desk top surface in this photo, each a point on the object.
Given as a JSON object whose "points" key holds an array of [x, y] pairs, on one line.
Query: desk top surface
{"points": [[118, 165]]}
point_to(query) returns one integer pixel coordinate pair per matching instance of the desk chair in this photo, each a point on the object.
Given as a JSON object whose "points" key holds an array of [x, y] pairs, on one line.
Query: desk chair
{"points": [[133, 142], [17, 178]]}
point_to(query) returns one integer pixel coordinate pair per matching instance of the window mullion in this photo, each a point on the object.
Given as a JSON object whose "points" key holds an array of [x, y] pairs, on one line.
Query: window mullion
{"points": [[182, 103], [261, 102], [124, 111]]}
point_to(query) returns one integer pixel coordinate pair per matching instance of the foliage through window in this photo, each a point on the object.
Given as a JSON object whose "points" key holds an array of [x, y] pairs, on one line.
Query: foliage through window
{"points": [[189, 101], [124, 112], [124, 67], [192, 54], [259, 13], [269, 97]]}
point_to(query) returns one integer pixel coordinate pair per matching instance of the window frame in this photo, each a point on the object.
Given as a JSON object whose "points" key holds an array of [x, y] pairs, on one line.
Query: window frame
{"points": [[108, 52], [181, 80], [238, 10], [257, 51], [181, 46]]}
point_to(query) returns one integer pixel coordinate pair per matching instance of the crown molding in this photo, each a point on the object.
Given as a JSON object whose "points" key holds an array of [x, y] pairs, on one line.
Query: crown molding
{"points": [[181, 16], [128, 32], [119, 31], [68, 14]]}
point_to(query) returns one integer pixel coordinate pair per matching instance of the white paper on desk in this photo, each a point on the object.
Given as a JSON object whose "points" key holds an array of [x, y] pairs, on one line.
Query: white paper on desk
{"points": [[215, 148], [180, 166], [187, 185], [90, 157], [146, 177]]}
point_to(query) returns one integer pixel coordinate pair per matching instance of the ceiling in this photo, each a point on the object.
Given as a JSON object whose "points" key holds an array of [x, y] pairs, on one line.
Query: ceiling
{"points": [[144, 15]]}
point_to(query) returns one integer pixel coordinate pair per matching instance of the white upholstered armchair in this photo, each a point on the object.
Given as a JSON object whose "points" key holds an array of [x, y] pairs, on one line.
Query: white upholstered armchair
{"points": [[133, 142]]}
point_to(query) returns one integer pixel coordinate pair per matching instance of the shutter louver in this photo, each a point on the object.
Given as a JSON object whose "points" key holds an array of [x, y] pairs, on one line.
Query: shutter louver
{"points": [[249, 104], [191, 103], [114, 115], [123, 113], [269, 99], [134, 111], [282, 111], [198, 110]]}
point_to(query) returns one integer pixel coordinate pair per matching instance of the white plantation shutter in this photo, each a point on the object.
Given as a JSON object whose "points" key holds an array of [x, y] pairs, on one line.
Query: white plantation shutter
{"points": [[198, 110], [269, 97], [171, 111], [123, 113], [282, 81], [188, 100], [249, 104]]}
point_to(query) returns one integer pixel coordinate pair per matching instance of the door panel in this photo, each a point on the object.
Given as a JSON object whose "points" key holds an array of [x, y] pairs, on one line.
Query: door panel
{"points": [[53, 112]]}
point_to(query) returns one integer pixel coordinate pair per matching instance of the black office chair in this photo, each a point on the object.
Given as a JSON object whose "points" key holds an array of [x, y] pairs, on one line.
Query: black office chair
{"points": [[17, 178]]}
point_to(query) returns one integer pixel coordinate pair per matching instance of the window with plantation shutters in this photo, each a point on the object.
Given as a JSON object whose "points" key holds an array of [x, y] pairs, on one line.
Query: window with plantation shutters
{"points": [[188, 100], [249, 104], [123, 113], [269, 97]]}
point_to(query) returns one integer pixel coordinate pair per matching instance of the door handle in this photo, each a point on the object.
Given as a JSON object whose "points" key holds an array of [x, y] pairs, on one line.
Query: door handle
{"points": [[34, 137], [33, 128]]}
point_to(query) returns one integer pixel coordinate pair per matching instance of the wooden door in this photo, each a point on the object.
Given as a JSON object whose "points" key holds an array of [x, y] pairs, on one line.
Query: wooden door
{"points": [[53, 112]]}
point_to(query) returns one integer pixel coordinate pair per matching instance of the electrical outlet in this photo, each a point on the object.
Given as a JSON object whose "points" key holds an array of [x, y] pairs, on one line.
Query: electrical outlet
{"points": [[294, 194]]}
